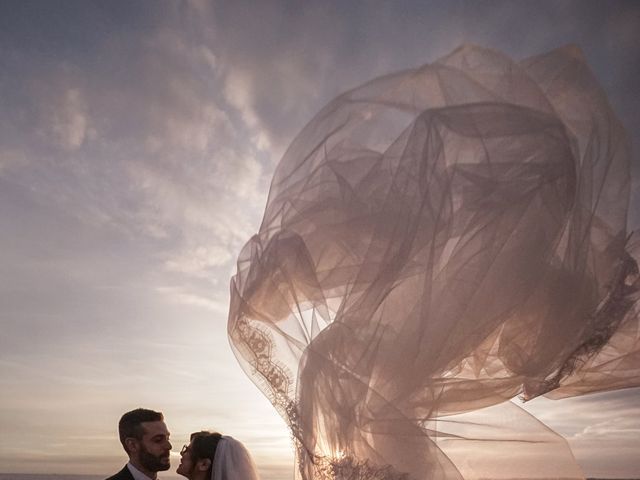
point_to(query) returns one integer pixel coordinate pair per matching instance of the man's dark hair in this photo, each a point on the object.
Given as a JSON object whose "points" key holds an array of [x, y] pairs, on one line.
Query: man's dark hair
{"points": [[203, 445], [130, 425]]}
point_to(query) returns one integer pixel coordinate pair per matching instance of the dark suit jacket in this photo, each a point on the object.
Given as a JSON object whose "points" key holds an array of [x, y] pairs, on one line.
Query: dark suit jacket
{"points": [[123, 474]]}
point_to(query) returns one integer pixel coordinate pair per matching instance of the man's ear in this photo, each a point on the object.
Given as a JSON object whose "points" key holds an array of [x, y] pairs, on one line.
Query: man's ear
{"points": [[132, 444], [203, 465]]}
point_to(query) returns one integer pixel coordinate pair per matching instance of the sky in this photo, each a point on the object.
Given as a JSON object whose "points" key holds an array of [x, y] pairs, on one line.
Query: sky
{"points": [[137, 143]]}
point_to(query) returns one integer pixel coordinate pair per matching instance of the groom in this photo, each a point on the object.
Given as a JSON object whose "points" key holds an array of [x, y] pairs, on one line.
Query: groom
{"points": [[145, 438]]}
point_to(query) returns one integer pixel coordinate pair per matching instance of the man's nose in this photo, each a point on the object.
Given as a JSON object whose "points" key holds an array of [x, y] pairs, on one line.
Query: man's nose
{"points": [[169, 446]]}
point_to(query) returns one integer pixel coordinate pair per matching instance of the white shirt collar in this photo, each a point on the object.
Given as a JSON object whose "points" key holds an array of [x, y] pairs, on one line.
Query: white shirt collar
{"points": [[137, 474]]}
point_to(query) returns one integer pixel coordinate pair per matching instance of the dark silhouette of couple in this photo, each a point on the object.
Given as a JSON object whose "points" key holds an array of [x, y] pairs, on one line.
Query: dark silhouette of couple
{"points": [[209, 455]]}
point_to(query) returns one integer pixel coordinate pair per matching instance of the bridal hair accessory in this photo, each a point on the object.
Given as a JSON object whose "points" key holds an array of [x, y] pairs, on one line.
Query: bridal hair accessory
{"points": [[435, 243]]}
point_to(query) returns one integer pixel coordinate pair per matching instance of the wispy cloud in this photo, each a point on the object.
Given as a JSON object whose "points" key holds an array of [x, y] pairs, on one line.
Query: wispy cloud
{"points": [[177, 294]]}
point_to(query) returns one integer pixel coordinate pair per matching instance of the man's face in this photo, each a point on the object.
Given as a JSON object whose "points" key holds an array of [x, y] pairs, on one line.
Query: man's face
{"points": [[154, 448]]}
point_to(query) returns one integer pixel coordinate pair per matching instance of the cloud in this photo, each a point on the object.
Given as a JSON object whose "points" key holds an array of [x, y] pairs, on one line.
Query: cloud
{"points": [[200, 260], [239, 92], [12, 159], [139, 143], [70, 122], [602, 429], [622, 428], [273, 82], [179, 295]]}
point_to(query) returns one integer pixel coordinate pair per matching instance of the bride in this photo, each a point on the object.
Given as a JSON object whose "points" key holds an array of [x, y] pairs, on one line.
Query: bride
{"points": [[212, 456]]}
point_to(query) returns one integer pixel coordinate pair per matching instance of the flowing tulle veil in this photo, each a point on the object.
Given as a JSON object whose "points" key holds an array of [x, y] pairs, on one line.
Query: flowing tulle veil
{"points": [[232, 461], [435, 243]]}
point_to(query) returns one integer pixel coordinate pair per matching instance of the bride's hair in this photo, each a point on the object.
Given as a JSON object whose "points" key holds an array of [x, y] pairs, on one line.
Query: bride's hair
{"points": [[204, 445]]}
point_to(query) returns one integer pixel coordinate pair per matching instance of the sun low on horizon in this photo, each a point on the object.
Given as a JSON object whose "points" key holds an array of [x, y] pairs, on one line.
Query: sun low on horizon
{"points": [[138, 141]]}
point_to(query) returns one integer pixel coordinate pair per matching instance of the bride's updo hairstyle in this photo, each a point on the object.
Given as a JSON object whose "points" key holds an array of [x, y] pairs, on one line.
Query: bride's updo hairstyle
{"points": [[204, 445]]}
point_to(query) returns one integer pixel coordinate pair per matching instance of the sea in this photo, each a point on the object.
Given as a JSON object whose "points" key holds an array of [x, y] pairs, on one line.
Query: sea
{"points": [[49, 476]]}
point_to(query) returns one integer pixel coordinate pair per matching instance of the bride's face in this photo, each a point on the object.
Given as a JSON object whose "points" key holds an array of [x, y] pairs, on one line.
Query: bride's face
{"points": [[186, 462]]}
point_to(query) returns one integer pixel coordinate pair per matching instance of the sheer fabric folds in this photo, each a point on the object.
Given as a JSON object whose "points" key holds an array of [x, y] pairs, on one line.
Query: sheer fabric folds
{"points": [[436, 242], [232, 461]]}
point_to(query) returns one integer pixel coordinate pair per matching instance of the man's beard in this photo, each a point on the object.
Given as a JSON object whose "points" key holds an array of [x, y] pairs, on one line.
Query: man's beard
{"points": [[151, 462]]}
